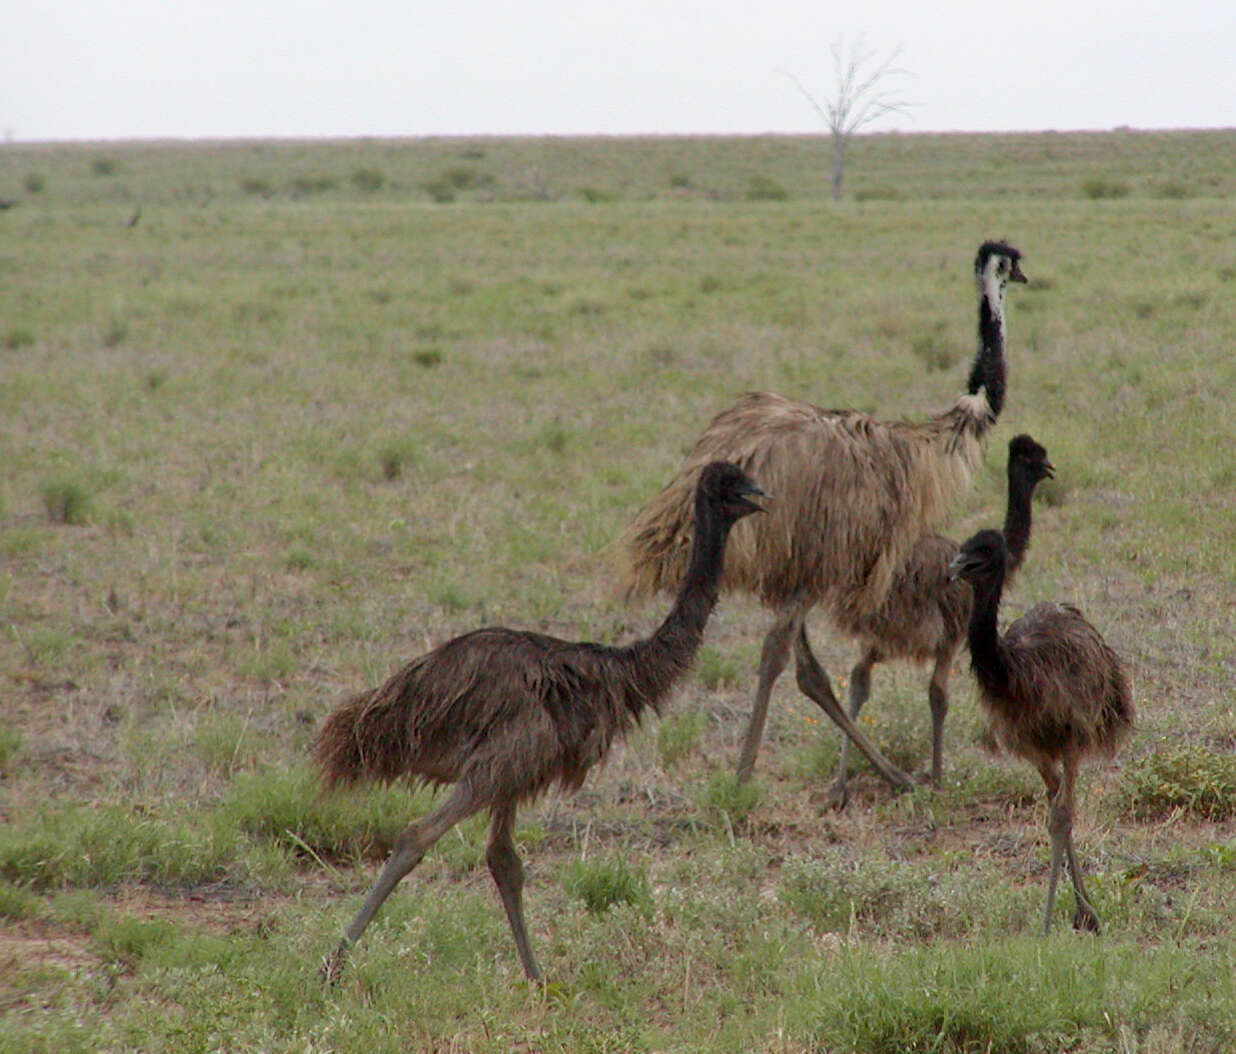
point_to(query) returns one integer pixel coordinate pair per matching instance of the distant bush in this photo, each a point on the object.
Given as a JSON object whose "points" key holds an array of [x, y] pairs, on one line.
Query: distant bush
{"points": [[18, 337], [1098, 188], [368, 179], [1172, 189], [679, 180], [67, 501], [935, 350], [103, 166], [762, 188], [256, 185], [440, 190], [462, 177], [304, 185], [33, 183], [877, 194], [396, 456], [598, 195], [427, 357], [115, 332]]}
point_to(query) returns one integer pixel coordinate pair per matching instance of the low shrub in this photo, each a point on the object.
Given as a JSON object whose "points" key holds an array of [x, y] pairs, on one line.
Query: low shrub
{"points": [[762, 188], [1098, 188], [67, 500], [1191, 779]]}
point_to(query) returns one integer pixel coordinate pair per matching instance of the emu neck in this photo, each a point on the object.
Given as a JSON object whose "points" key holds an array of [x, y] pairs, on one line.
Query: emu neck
{"points": [[988, 369], [986, 650], [662, 658], [1017, 518]]}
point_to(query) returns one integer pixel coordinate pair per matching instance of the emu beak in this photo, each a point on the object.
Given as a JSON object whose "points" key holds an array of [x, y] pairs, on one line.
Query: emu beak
{"points": [[753, 490], [955, 566], [1017, 275], [1049, 470]]}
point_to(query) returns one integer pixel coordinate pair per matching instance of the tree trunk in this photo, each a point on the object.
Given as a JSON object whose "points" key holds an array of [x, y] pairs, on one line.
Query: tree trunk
{"points": [[838, 163]]}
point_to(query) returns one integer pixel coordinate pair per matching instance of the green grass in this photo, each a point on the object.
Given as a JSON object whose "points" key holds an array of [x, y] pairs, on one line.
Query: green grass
{"points": [[331, 403]]}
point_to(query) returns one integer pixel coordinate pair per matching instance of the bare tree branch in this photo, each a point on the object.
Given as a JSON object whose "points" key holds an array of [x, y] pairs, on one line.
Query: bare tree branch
{"points": [[860, 96]]}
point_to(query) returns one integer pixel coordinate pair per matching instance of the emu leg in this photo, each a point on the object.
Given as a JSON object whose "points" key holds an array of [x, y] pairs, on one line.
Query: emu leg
{"points": [[937, 698], [815, 685], [413, 843], [1084, 915], [508, 872], [773, 659], [860, 689]]}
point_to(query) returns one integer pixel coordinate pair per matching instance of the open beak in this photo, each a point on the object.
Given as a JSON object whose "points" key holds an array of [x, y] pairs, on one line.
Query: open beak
{"points": [[1017, 275], [753, 491], [1049, 470], [956, 566]]}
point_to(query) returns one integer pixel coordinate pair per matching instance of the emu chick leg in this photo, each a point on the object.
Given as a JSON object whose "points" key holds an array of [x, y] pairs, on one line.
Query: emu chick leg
{"points": [[413, 843], [860, 689], [508, 874], [814, 683]]}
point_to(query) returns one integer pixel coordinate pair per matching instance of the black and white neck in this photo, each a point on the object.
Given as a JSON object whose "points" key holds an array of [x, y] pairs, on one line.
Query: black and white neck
{"points": [[996, 264]]}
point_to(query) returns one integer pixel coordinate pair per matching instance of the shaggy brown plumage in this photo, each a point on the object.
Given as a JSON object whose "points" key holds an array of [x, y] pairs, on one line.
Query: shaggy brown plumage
{"points": [[927, 608], [1054, 692], [854, 494], [503, 714]]}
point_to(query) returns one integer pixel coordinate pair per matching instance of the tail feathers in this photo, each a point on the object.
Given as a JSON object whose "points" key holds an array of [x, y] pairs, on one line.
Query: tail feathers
{"points": [[362, 741]]}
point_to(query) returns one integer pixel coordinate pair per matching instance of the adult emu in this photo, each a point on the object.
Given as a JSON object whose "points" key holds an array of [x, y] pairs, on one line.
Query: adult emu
{"points": [[503, 714], [1054, 692], [853, 496], [927, 608]]}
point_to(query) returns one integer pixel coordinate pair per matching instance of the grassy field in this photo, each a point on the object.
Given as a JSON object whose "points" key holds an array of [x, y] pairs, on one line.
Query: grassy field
{"points": [[323, 405]]}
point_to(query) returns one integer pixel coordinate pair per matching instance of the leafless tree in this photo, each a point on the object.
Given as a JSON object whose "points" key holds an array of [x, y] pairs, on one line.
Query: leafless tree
{"points": [[861, 94]]}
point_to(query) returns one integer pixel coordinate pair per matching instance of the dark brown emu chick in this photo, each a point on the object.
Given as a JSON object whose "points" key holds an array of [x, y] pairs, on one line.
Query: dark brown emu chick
{"points": [[1053, 691], [925, 613], [504, 714]]}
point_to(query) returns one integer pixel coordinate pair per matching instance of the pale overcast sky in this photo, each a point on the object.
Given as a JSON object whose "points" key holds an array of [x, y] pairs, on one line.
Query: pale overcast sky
{"points": [[103, 69]]}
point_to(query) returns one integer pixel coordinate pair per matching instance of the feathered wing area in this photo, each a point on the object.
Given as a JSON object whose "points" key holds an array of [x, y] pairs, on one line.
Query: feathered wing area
{"points": [[1072, 683], [507, 709], [853, 494], [925, 606]]}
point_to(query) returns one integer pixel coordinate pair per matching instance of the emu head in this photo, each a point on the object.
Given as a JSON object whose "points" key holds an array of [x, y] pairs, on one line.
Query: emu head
{"points": [[728, 490], [982, 557], [997, 264], [1029, 457]]}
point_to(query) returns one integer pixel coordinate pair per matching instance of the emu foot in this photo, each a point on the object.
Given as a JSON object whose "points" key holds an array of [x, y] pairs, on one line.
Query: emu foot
{"points": [[838, 795], [332, 966], [1085, 919]]}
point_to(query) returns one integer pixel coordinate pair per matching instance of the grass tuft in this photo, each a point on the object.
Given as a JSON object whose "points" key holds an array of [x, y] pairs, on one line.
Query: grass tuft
{"points": [[603, 882], [17, 337], [67, 500], [1193, 780], [677, 736]]}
